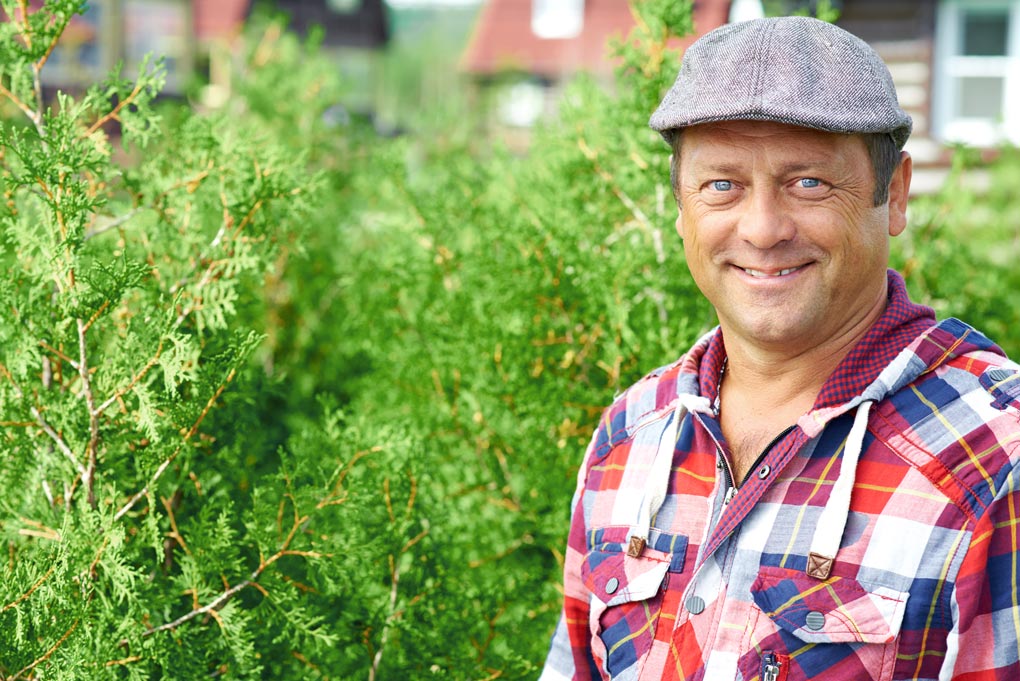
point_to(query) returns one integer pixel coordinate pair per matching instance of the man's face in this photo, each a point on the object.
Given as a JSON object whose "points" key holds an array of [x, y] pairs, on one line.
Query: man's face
{"points": [[780, 231]]}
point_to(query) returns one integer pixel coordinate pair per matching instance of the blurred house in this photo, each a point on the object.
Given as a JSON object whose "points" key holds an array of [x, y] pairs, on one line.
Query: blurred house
{"points": [[194, 37], [956, 63], [521, 52]]}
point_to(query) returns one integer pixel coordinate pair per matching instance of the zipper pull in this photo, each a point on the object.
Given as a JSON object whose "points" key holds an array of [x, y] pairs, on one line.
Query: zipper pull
{"points": [[730, 493], [770, 667]]}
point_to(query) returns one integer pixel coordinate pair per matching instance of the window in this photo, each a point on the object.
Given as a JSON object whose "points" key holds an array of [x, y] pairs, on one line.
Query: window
{"points": [[521, 104], [977, 72], [557, 18], [344, 6]]}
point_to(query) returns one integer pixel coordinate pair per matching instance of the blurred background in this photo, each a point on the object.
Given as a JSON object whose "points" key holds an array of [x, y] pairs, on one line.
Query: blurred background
{"points": [[955, 62]]}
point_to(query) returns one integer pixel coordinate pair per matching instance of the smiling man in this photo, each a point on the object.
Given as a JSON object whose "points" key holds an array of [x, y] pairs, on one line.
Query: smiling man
{"points": [[827, 485]]}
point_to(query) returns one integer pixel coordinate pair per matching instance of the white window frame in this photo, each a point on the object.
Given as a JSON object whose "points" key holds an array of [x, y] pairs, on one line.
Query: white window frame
{"points": [[557, 19], [950, 65]]}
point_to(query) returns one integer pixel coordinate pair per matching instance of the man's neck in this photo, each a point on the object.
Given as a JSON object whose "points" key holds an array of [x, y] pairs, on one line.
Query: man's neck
{"points": [[766, 389]]}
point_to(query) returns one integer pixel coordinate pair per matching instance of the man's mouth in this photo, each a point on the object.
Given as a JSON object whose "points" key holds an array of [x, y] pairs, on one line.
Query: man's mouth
{"points": [[774, 273]]}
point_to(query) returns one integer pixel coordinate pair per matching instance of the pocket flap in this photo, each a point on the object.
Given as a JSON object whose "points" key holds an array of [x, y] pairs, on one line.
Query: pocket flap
{"points": [[614, 577], [837, 610]]}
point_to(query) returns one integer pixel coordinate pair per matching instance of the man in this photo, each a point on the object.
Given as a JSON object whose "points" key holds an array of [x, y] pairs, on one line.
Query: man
{"points": [[827, 485]]}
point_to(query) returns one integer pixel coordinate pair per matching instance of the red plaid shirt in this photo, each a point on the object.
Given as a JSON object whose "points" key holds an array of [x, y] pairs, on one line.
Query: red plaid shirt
{"points": [[924, 584]]}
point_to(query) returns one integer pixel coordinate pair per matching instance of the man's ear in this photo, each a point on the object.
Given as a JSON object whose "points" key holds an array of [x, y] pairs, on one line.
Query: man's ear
{"points": [[680, 224], [899, 192]]}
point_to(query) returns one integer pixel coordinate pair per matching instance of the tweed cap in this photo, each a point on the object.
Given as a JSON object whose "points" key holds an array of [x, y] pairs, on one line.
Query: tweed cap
{"points": [[793, 70]]}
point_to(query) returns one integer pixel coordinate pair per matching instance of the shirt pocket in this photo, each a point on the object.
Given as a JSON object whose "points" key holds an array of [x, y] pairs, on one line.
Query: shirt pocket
{"points": [[837, 615], [626, 594]]}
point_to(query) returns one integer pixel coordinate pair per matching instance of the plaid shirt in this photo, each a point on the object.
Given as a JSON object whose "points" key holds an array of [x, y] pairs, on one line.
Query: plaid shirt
{"points": [[924, 583]]}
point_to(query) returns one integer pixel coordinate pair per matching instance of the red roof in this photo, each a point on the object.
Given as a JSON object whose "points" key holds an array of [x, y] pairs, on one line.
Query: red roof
{"points": [[502, 38], [218, 18]]}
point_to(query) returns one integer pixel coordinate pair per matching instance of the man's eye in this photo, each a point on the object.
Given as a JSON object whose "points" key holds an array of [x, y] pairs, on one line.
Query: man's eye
{"points": [[722, 185], [810, 182]]}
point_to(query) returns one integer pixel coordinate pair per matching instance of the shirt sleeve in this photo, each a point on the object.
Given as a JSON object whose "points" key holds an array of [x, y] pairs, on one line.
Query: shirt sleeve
{"points": [[984, 644]]}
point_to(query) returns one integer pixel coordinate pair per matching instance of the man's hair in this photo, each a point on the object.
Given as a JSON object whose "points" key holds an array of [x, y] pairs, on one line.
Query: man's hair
{"points": [[882, 150]]}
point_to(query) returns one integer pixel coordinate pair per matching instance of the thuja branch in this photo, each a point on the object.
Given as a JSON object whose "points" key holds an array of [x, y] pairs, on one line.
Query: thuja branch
{"points": [[43, 424], [114, 114], [88, 477], [31, 589], [28, 111], [187, 436], [264, 563], [394, 563], [45, 656], [57, 439], [134, 379]]}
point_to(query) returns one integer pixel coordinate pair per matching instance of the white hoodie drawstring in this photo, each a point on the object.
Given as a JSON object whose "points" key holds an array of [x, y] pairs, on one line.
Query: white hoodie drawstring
{"points": [[662, 465], [832, 521]]}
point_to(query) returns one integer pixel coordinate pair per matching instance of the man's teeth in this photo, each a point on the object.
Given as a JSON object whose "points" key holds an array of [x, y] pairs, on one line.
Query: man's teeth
{"points": [[780, 273]]}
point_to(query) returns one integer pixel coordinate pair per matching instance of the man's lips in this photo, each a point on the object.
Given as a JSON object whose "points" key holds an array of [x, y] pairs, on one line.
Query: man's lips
{"points": [[766, 273]]}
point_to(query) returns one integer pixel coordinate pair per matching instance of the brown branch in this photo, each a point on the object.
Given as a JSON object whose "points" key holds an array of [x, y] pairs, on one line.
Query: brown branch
{"points": [[17, 102], [134, 379], [53, 44], [347, 469], [55, 436], [95, 315], [252, 580], [40, 534], [92, 450], [126, 660], [175, 533], [47, 654], [99, 554], [112, 224], [113, 115], [25, 33], [209, 405], [166, 462], [217, 602], [31, 589], [46, 346]]}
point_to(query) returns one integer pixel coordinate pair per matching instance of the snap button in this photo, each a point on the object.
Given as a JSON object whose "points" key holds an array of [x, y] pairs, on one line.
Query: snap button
{"points": [[814, 620], [764, 471], [612, 585], [998, 375], [695, 605]]}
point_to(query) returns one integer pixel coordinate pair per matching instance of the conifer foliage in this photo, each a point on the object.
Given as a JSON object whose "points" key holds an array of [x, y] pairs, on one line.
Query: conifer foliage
{"points": [[127, 256]]}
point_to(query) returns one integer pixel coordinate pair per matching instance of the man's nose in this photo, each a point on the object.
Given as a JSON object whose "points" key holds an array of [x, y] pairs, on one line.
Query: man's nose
{"points": [[764, 222]]}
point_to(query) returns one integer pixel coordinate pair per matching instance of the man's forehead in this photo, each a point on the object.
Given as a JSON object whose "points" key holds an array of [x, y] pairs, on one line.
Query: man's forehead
{"points": [[722, 139], [754, 129]]}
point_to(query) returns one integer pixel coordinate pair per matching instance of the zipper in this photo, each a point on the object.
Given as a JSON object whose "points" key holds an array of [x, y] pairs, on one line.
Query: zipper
{"points": [[770, 667], [731, 489]]}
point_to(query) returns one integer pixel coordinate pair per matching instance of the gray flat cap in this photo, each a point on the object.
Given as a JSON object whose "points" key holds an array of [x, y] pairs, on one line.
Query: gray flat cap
{"points": [[793, 70]]}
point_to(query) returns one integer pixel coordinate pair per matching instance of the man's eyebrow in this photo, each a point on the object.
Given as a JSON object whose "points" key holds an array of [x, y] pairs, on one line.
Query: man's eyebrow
{"points": [[728, 168]]}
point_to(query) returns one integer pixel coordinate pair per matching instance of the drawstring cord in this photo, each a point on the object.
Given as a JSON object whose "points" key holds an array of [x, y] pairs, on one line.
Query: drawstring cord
{"points": [[661, 468], [832, 521]]}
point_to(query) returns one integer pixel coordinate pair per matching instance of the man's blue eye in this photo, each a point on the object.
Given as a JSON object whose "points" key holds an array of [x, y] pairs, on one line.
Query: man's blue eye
{"points": [[722, 185], [810, 182]]}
